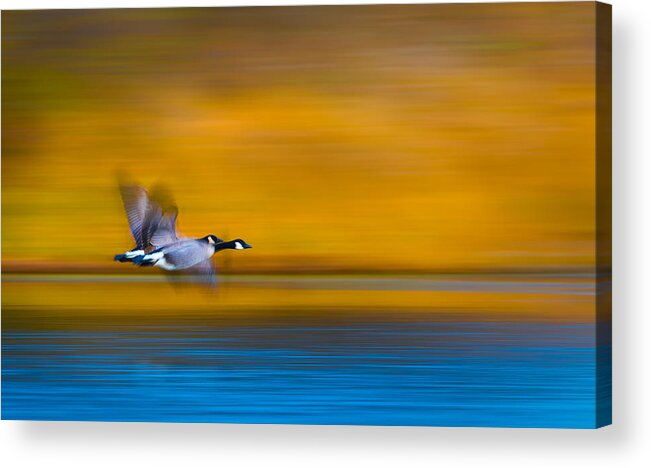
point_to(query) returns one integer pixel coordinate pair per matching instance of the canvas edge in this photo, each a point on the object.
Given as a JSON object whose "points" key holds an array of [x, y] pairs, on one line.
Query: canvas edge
{"points": [[603, 186]]}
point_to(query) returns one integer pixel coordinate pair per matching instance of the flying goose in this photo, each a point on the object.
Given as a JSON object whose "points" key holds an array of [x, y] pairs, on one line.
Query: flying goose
{"points": [[152, 221]]}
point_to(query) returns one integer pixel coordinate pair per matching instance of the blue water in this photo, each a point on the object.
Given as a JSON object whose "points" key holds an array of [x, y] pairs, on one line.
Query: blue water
{"points": [[356, 370]]}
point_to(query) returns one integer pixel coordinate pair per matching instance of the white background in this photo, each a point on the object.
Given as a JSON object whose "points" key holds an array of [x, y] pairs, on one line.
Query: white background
{"points": [[625, 444]]}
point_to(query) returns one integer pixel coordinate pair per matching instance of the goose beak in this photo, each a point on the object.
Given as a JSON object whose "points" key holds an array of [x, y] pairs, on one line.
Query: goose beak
{"points": [[246, 246]]}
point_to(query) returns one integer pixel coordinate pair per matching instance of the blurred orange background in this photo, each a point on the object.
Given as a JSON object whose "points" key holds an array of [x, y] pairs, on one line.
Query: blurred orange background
{"points": [[376, 138]]}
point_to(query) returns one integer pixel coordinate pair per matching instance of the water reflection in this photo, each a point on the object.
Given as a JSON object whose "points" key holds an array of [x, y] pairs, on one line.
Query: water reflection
{"points": [[342, 365]]}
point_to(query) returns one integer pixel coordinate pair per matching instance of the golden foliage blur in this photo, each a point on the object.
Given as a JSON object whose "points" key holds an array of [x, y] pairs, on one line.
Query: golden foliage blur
{"points": [[395, 138]]}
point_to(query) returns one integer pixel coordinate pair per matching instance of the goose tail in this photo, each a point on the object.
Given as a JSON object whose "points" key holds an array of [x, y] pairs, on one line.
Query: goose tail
{"points": [[148, 259], [128, 256], [142, 260]]}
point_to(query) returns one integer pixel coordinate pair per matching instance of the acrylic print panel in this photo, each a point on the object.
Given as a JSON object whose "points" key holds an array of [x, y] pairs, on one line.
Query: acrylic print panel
{"points": [[425, 188]]}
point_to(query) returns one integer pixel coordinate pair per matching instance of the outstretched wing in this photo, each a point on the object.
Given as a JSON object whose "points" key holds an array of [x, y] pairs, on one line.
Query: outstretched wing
{"points": [[165, 232], [152, 218], [136, 204], [201, 273], [161, 216]]}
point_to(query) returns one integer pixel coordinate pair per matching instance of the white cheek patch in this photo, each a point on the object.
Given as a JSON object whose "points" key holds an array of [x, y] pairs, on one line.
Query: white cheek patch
{"points": [[238, 246], [134, 253]]}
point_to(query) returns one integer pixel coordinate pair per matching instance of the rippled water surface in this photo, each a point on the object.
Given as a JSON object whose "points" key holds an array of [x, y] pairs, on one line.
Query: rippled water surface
{"points": [[309, 364]]}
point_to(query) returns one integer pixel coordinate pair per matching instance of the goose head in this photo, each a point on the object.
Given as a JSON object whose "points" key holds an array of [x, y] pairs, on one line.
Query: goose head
{"points": [[236, 244], [239, 244]]}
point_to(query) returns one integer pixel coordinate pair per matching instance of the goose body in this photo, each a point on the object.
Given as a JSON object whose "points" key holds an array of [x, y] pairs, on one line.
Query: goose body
{"points": [[152, 221], [186, 253]]}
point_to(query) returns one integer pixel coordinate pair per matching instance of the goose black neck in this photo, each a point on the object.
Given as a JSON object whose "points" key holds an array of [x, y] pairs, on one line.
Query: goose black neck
{"points": [[224, 245]]}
